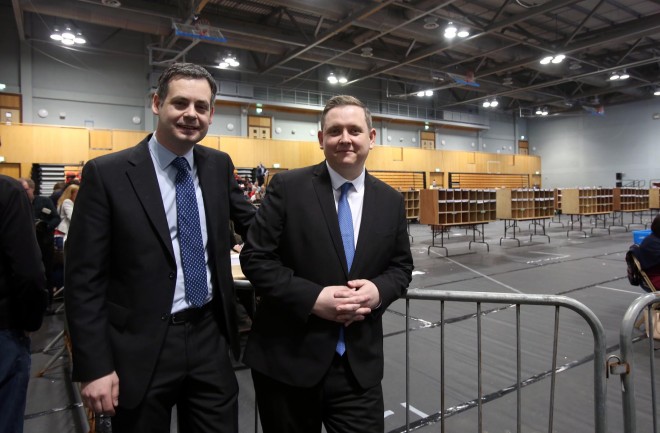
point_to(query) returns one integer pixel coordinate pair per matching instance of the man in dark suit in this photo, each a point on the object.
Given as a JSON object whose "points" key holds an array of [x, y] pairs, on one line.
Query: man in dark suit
{"points": [[316, 345], [149, 293], [22, 300]]}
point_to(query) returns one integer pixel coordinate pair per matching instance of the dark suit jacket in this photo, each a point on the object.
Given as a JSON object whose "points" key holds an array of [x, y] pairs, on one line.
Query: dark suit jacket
{"points": [[120, 267], [23, 296], [294, 249]]}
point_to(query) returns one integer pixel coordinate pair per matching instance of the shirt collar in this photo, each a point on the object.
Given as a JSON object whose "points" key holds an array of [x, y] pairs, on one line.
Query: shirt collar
{"points": [[337, 179], [164, 157]]}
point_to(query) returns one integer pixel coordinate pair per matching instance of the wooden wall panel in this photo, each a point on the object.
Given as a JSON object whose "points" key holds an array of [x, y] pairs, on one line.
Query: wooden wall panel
{"points": [[26, 144]]}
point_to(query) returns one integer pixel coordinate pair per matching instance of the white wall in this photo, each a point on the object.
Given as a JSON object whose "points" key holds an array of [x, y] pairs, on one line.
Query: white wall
{"points": [[588, 150]]}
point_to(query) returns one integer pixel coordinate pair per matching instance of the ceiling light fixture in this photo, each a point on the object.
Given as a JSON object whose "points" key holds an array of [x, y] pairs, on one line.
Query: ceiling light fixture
{"points": [[367, 52], [68, 36], [423, 93], [228, 61], [464, 32], [541, 111], [333, 79], [656, 91], [431, 23], [450, 31], [553, 59], [494, 103], [486, 104], [619, 75]]}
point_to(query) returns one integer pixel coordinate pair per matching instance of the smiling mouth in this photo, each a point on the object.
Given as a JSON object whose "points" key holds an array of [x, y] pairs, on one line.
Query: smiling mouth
{"points": [[188, 127]]}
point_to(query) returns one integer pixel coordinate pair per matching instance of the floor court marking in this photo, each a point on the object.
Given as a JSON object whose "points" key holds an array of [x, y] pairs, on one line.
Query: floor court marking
{"points": [[480, 274], [415, 410], [388, 413], [619, 290]]}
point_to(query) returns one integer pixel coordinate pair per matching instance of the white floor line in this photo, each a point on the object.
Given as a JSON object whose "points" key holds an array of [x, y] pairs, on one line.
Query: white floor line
{"points": [[620, 290], [480, 274], [415, 410], [388, 413], [547, 254]]}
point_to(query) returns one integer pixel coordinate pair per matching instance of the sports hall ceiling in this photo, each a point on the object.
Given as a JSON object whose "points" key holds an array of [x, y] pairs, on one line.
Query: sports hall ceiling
{"points": [[394, 48]]}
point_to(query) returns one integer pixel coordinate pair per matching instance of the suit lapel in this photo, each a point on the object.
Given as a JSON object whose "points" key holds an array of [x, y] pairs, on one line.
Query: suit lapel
{"points": [[209, 183], [369, 210], [142, 176], [325, 196]]}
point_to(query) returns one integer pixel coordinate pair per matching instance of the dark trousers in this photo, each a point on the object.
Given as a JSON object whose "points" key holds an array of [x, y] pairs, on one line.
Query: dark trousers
{"points": [[337, 402], [194, 373], [15, 364]]}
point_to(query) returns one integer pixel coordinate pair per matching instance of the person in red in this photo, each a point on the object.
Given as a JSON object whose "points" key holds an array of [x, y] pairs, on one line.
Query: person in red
{"points": [[648, 253]]}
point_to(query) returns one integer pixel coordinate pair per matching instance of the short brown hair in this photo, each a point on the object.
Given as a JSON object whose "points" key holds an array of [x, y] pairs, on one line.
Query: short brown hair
{"points": [[186, 70], [342, 100]]}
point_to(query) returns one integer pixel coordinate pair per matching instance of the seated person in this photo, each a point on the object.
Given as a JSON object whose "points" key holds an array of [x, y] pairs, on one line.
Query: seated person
{"points": [[648, 253]]}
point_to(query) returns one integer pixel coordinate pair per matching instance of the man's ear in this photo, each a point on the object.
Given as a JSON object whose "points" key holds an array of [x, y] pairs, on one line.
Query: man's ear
{"points": [[320, 137], [155, 104]]}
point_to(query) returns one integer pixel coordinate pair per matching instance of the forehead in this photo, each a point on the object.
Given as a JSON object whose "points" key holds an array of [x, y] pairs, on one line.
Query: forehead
{"points": [[346, 114], [193, 88]]}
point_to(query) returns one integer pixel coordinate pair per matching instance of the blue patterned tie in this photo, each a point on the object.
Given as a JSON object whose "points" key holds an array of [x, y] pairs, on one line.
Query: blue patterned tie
{"points": [[346, 228], [190, 235]]}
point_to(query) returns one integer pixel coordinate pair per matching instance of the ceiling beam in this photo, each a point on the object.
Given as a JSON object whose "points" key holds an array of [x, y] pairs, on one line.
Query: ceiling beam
{"points": [[18, 16]]}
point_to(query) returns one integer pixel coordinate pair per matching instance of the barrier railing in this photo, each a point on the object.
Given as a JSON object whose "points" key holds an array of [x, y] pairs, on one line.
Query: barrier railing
{"points": [[625, 365], [599, 347]]}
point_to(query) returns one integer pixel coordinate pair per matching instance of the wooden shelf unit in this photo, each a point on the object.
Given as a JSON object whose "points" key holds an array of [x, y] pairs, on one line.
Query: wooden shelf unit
{"points": [[558, 200], [457, 206], [587, 201], [412, 203], [630, 199], [487, 180], [401, 180], [654, 198], [525, 203]]}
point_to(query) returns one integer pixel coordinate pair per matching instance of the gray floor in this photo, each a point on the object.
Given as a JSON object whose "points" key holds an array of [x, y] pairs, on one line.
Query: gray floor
{"points": [[590, 269]]}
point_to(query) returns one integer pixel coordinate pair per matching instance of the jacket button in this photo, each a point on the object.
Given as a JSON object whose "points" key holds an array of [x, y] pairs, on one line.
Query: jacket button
{"points": [[172, 275], [165, 316]]}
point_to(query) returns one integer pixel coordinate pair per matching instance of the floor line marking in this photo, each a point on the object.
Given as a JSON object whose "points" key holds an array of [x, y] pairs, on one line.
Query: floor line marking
{"points": [[415, 410], [548, 254], [388, 413], [480, 274], [619, 290]]}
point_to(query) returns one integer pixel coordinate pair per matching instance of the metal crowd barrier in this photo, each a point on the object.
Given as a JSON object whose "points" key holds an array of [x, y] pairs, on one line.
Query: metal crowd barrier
{"points": [[599, 347], [624, 364]]}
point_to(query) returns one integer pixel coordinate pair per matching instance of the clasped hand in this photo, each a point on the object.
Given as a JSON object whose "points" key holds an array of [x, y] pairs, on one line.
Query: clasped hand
{"points": [[347, 304]]}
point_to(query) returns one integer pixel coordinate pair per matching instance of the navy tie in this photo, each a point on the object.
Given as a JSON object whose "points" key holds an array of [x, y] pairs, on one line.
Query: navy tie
{"points": [[346, 228], [190, 236]]}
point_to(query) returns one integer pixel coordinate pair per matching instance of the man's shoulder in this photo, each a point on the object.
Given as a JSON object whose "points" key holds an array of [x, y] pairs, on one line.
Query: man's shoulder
{"points": [[379, 184], [298, 173]]}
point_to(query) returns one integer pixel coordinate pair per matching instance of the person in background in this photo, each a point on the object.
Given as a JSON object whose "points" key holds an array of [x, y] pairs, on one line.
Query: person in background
{"points": [[65, 209], [316, 344], [262, 172], [46, 219], [149, 291], [23, 300], [58, 188], [648, 253]]}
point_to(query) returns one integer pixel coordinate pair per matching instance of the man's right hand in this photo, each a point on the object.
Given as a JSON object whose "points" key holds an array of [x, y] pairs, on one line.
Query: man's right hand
{"points": [[340, 304], [101, 395]]}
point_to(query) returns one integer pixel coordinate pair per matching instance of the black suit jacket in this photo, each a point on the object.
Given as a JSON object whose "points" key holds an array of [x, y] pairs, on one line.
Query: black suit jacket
{"points": [[23, 296], [120, 267], [294, 249]]}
